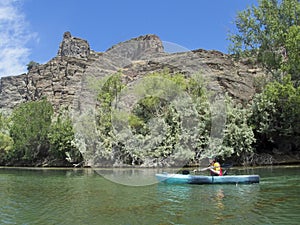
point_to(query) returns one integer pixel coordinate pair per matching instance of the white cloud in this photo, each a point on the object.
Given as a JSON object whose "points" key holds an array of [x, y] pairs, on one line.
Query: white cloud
{"points": [[15, 34]]}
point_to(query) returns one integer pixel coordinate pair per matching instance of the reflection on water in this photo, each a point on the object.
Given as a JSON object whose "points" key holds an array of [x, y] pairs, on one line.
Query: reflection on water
{"points": [[130, 176], [133, 176], [219, 199], [81, 196], [208, 204], [174, 193]]}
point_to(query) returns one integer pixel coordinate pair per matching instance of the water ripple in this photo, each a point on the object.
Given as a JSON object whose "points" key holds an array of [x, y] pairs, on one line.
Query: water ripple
{"points": [[76, 197]]}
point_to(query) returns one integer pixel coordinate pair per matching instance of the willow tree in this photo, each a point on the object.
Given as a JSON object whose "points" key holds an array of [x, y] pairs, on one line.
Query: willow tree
{"points": [[270, 33]]}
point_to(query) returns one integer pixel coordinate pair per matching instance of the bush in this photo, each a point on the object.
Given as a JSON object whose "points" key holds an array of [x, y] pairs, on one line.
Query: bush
{"points": [[30, 127], [275, 114], [62, 139]]}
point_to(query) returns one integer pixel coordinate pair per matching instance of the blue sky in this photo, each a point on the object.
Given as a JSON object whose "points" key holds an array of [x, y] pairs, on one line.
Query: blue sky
{"points": [[33, 29]]}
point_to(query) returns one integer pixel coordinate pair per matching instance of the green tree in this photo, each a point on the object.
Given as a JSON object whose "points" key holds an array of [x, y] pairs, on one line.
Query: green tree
{"points": [[30, 126], [269, 32], [6, 142], [170, 122], [238, 134], [155, 93], [108, 93], [62, 139], [292, 65], [275, 115]]}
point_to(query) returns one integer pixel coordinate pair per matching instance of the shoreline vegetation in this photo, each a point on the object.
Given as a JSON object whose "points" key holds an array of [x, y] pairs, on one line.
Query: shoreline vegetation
{"points": [[164, 126], [191, 168], [263, 132], [278, 160]]}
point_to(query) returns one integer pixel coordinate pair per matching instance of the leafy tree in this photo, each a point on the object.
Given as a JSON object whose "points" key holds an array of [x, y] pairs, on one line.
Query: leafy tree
{"points": [[151, 115], [270, 34], [292, 65], [169, 123], [275, 115], [239, 136], [30, 127], [6, 142], [5, 148], [107, 95], [62, 139]]}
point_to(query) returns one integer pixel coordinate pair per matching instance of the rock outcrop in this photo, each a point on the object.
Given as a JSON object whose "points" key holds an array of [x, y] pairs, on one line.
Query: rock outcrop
{"points": [[62, 77], [73, 47]]}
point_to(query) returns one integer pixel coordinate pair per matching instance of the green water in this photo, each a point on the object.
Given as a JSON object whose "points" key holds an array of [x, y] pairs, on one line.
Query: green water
{"points": [[82, 196]]}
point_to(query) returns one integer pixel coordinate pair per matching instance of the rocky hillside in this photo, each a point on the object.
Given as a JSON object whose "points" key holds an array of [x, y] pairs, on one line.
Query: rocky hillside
{"points": [[60, 79]]}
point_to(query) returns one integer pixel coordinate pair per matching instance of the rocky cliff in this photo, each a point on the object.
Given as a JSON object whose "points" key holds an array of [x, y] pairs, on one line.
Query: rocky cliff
{"points": [[60, 79]]}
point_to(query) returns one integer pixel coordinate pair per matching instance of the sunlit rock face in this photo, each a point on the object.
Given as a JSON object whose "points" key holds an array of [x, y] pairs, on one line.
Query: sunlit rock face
{"points": [[73, 47], [60, 80]]}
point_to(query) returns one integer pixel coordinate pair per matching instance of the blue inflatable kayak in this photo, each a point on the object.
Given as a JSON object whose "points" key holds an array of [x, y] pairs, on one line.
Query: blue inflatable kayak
{"points": [[172, 178]]}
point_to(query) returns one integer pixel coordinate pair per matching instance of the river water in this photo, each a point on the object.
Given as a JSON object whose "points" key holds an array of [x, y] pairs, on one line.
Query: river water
{"points": [[82, 196]]}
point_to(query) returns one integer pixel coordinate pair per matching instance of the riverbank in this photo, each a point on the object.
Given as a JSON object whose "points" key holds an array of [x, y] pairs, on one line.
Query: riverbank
{"points": [[253, 160], [266, 159]]}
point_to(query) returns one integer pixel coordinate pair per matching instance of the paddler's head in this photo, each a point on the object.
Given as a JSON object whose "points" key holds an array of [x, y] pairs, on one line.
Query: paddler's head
{"points": [[212, 159]]}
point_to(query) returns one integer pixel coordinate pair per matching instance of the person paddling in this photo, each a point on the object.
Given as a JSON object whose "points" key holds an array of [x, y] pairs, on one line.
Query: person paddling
{"points": [[214, 168]]}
